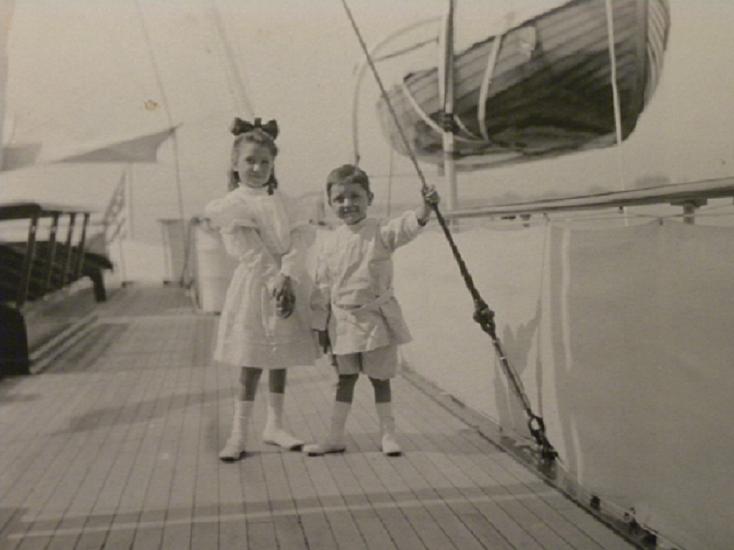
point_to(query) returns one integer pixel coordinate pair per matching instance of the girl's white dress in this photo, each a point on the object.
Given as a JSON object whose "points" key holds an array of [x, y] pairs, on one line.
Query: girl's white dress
{"points": [[268, 236]]}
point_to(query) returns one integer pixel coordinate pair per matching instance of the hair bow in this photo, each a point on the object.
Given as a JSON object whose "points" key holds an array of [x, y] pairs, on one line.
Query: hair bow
{"points": [[240, 126]]}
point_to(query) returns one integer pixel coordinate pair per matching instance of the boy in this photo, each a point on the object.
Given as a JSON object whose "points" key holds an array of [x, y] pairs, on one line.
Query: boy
{"points": [[353, 307]]}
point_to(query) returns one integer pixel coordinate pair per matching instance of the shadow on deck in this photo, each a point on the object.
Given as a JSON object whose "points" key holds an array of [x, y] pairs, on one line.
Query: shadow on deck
{"points": [[115, 445]]}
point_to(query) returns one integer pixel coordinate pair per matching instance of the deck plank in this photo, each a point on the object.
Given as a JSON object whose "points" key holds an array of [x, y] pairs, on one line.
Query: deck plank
{"points": [[99, 462], [205, 533], [38, 447], [380, 528], [115, 445], [363, 420], [518, 524], [61, 476]]}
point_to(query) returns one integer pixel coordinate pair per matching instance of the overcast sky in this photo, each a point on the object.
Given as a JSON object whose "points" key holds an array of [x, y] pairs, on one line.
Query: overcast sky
{"points": [[83, 70]]}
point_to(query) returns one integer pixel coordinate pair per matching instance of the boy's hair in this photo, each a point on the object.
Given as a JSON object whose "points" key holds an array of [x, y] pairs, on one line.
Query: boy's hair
{"points": [[260, 137], [347, 173]]}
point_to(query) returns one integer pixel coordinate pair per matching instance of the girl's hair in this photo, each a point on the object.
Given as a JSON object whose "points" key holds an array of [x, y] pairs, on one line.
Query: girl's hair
{"points": [[256, 135], [347, 173]]}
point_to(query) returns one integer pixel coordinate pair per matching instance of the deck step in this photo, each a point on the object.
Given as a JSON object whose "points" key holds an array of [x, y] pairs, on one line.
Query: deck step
{"points": [[42, 356]]}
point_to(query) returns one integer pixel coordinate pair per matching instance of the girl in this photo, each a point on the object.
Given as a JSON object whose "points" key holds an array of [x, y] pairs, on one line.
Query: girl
{"points": [[354, 309], [264, 322]]}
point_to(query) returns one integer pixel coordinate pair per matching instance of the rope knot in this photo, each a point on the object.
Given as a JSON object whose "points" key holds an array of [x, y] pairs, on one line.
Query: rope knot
{"points": [[484, 317]]}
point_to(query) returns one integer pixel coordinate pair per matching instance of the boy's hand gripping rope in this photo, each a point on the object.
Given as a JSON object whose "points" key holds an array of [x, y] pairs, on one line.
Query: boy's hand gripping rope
{"points": [[482, 314]]}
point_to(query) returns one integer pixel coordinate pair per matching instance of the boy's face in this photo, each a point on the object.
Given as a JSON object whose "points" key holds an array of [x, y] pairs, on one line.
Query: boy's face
{"points": [[349, 201]]}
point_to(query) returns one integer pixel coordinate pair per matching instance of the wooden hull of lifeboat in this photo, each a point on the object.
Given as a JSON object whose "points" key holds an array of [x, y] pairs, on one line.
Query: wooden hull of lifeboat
{"points": [[550, 90]]}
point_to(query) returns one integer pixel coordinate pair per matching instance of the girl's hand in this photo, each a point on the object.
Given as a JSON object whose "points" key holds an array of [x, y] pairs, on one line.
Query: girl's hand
{"points": [[285, 298], [282, 283]]}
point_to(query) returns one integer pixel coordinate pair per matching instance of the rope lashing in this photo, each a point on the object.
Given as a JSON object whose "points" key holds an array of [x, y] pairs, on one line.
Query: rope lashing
{"points": [[483, 315], [448, 122]]}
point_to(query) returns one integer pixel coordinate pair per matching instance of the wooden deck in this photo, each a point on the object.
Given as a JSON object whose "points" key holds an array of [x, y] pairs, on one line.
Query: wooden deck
{"points": [[115, 445]]}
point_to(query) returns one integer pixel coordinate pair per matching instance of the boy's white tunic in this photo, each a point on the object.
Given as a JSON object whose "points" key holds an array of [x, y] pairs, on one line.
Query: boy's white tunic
{"points": [[267, 235], [353, 292]]}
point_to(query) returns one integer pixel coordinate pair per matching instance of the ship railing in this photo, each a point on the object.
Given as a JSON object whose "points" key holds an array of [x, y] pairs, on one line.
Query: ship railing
{"points": [[688, 195], [39, 270]]}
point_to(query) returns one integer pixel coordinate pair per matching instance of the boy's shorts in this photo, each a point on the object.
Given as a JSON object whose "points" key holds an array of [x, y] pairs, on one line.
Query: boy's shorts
{"points": [[380, 363]]}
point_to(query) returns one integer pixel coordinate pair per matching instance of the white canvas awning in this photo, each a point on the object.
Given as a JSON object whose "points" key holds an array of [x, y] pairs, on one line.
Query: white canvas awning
{"points": [[134, 149]]}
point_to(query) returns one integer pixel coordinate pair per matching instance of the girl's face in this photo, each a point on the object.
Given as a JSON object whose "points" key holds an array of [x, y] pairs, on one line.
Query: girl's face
{"points": [[254, 165], [349, 201]]}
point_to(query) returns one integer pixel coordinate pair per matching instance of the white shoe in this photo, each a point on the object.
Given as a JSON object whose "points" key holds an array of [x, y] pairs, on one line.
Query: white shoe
{"points": [[281, 438], [335, 440], [274, 434], [234, 448], [390, 446], [327, 447]]}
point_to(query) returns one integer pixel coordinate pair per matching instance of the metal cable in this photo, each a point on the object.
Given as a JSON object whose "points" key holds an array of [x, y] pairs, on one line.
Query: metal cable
{"points": [[483, 315]]}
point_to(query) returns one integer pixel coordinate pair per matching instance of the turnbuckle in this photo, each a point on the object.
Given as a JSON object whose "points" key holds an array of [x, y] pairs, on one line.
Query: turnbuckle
{"points": [[536, 425]]}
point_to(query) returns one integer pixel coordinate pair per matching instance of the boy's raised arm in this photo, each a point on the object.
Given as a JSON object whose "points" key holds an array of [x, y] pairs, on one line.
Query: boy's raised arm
{"points": [[405, 228]]}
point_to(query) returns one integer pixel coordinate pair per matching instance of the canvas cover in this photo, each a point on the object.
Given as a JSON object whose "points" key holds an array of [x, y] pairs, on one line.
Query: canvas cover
{"points": [[622, 337]]}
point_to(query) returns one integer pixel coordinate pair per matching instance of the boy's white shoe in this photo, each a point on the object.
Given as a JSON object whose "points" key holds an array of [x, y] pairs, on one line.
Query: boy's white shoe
{"points": [[274, 434], [390, 446], [335, 440], [324, 448], [234, 448]]}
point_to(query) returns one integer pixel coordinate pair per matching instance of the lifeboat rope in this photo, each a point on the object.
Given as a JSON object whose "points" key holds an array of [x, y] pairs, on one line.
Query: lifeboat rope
{"points": [[427, 119], [484, 88], [483, 315], [460, 124]]}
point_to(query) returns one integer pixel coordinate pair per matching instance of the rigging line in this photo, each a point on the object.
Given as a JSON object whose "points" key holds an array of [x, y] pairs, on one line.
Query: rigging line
{"points": [[446, 72], [383, 91], [405, 50], [169, 117], [394, 175], [424, 186], [220, 54], [389, 180], [482, 314], [241, 98], [360, 73]]}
